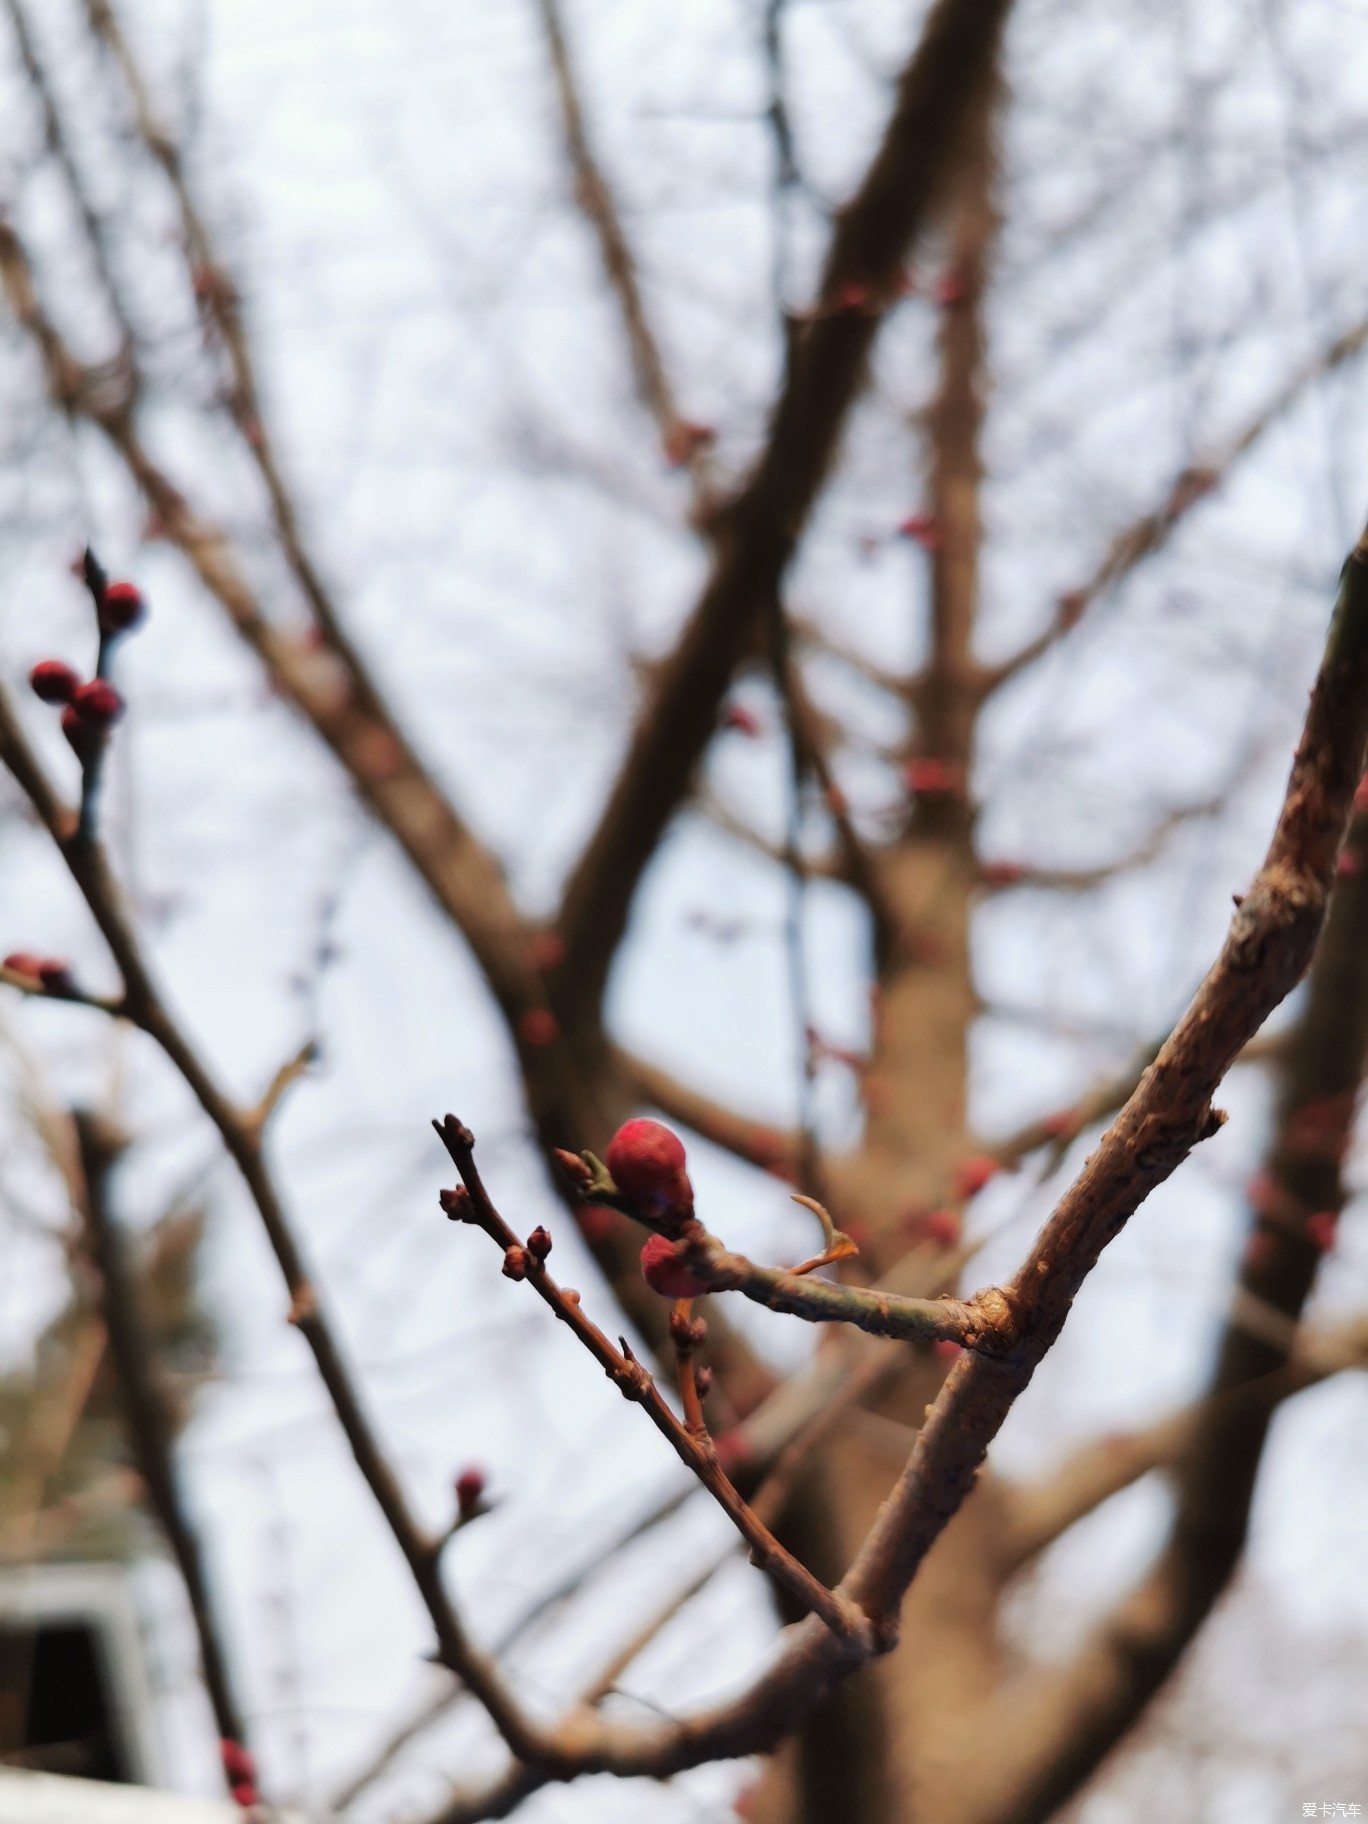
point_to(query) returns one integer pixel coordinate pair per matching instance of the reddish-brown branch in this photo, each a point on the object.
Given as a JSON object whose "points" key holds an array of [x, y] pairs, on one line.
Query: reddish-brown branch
{"points": [[1148, 534], [681, 441], [773, 1149], [694, 1448], [60, 146], [1040, 1513], [148, 1410], [241, 1136], [569, 1094], [831, 865], [1081, 880], [1051, 1732], [758, 533]]}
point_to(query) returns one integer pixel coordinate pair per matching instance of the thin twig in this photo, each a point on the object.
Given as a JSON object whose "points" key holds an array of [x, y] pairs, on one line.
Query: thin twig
{"points": [[636, 1384], [148, 1410]]}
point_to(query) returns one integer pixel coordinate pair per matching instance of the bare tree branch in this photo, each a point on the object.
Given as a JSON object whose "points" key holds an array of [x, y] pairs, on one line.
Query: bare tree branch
{"points": [[757, 534], [147, 1405], [1151, 532], [241, 1137], [1041, 1513], [681, 441]]}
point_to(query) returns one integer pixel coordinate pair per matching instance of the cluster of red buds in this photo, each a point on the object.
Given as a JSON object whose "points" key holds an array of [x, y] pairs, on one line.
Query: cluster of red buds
{"points": [[646, 1160], [91, 707], [240, 1769]]}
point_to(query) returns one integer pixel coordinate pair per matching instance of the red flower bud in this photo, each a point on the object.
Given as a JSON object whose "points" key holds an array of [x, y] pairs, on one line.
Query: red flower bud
{"points": [[923, 530], [470, 1487], [665, 1271], [1062, 1126], [1001, 873], [539, 1243], [547, 950], [703, 1378], [930, 777], [1320, 1230], [237, 1762], [940, 1227], [647, 1163], [742, 721], [1348, 863], [53, 681], [122, 608], [515, 1263], [456, 1204], [81, 736], [246, 1794], [98, 703], [735, 1452], [53, 972], [596, 1222], [538, 1027], [973, 1173], [685, 440]]}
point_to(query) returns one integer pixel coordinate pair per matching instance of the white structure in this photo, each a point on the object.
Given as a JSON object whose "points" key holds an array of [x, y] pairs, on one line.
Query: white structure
{"points": [[75, 1630], [43, 1798]]}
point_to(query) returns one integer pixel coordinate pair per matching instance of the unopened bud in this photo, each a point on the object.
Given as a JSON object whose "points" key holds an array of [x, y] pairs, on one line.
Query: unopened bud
{"points": [[573, 1166], [238, 1764], [538, 1027], [688, 1333], [122, 608], [515, 1263], [456, 1204], [470, 1487], [98, 703], [539, 1243], [54, 681], [82, 737]]}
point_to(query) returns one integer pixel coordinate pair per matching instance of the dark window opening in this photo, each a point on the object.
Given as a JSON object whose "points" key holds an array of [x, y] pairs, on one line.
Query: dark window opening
{"points": [[56, 1710]]}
